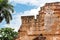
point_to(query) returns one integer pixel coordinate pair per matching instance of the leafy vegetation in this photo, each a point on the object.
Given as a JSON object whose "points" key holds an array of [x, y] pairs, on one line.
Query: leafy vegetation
{"points": [[7, 34], [5, 11]]}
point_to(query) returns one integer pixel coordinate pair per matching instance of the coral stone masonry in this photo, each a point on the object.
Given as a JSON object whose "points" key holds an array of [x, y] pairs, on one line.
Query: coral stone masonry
{"points": [[46, 26]]}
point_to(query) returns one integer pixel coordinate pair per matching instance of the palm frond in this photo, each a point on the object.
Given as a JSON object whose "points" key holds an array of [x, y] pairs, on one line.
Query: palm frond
{"points": [[7, 16], [6, 10]]}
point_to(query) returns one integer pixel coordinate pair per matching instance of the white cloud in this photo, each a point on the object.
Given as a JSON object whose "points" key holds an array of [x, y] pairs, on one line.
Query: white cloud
{"points": [[34, 2], [15, 23], [31, 12]]}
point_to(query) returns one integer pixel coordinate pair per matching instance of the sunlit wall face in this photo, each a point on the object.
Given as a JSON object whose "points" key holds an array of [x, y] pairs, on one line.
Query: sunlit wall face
{"points": [[51, 18]]}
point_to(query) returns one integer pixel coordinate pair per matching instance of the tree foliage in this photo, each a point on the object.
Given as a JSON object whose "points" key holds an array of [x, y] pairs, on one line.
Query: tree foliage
{"points": [[5, 11], [7, 34]]}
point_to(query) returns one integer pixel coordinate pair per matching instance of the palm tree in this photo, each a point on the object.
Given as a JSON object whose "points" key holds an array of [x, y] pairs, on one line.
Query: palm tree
{"points": [[5, 11]]}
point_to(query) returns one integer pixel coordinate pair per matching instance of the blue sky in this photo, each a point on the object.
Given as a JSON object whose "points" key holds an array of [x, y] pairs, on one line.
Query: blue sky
{"points": [[24, 8]]}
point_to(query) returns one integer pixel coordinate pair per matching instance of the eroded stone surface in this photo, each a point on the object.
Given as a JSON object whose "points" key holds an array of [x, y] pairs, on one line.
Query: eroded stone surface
{"points": [[47, 23]]}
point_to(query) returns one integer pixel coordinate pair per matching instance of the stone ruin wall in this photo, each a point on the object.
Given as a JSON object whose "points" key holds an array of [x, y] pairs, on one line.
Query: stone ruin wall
{"points": [[46, 23]]}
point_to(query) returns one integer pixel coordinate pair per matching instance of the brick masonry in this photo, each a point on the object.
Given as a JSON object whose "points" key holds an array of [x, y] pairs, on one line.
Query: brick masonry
{"points": [[46, 23]]}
